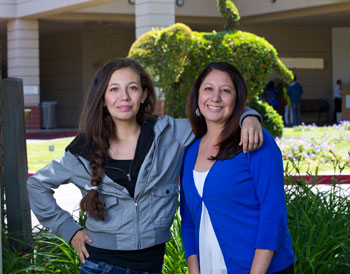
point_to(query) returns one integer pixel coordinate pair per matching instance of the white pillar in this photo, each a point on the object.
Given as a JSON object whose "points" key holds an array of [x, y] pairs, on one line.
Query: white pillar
{"points": [[153, 14], [23, 57]]}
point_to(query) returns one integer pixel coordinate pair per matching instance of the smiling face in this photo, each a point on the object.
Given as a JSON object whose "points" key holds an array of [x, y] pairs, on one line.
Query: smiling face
{"points": [[217, 97], [124, 95]]}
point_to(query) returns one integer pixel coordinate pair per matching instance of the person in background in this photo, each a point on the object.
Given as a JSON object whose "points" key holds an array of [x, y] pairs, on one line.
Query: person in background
{"points": [[126, 163], [232, 204], [288, 114], [337, 99], [294, 91], [270, 94]]}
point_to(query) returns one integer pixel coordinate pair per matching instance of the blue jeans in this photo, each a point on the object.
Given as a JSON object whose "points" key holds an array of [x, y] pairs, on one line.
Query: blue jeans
{"points": [[95, 268], [296, 114]]}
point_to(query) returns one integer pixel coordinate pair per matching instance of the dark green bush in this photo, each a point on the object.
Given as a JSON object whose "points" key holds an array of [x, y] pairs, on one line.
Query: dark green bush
{"points": [[272, 121], [174, 57]]}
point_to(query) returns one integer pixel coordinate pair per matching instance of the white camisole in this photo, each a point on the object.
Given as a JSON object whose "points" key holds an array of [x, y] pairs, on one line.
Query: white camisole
{"points": [[211, 260]]}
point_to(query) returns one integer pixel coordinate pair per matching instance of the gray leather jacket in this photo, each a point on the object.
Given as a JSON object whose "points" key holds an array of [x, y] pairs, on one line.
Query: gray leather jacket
{"points": [[130, 223]]}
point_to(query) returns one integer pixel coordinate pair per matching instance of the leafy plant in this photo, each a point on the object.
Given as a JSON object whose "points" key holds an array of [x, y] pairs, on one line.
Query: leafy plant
{"points": [[174, 57], [174, 258], [47, 254], [271, 120], [27, 111], [319, 224]]}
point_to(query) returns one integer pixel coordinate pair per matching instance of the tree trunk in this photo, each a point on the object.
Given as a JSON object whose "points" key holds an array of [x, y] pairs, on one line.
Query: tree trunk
{"points": [[15, 163]]}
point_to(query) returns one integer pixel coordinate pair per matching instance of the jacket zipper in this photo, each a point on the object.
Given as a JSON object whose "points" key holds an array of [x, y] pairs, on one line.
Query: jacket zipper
{"points": [[129, 178], [136, 201], [128, 175]]}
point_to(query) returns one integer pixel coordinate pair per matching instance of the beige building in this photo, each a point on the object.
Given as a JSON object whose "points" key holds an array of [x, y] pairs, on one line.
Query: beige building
{"points": [[55, 46]]}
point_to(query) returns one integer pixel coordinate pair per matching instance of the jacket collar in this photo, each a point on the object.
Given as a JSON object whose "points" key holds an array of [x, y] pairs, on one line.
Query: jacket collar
{"points": [[80, 146]]}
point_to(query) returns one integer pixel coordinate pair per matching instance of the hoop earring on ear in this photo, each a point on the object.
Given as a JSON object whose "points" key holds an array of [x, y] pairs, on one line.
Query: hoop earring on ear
{"points": [[198, 113]]}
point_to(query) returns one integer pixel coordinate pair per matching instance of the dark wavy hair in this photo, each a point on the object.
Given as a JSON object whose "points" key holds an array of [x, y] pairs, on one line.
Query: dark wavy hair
{"points": [[97, 126], [230, 135]]}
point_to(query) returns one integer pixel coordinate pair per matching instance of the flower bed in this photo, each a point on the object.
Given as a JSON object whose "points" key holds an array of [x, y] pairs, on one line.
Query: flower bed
{"points": [[309, 149]]}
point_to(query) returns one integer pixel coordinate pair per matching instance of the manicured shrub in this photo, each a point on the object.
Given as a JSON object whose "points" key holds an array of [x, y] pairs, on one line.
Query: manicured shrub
{"points": [[271, 120], [174, 57]]}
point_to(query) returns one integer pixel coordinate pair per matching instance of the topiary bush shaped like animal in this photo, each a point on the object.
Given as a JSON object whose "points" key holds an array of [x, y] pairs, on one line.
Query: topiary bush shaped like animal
{"points": [[174, 57]]}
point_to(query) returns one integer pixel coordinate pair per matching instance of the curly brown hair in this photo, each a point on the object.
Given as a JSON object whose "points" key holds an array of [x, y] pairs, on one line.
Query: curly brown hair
{"points": [[97, 126]]}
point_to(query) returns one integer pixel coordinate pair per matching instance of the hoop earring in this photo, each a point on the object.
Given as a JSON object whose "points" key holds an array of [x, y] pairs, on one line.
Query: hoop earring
{"points": [[198, 113]]}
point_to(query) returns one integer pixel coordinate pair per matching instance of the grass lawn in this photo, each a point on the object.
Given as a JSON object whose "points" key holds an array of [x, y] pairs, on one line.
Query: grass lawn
{"points": [[39, 154], [307, 146]]}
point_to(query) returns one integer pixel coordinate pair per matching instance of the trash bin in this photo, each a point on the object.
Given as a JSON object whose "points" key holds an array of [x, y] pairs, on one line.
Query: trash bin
{"points": [[48, 117]]}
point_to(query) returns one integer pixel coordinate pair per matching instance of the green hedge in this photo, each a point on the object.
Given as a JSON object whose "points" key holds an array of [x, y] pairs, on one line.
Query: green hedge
{"points": [[174, 57]]}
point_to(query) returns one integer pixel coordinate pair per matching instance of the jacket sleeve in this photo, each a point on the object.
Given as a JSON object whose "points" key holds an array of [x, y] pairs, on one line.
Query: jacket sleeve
{"points": [[187, 227], [41, 198], [249, 112], [183, 131], [269, 184]]}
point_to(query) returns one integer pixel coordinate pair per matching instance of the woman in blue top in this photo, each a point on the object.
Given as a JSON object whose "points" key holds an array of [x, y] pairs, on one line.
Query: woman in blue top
{"points": [[233, 208]]}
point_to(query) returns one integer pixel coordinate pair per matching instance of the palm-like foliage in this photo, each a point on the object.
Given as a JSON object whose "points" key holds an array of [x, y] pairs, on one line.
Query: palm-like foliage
{"points": [[48, 254], [319, 223]]}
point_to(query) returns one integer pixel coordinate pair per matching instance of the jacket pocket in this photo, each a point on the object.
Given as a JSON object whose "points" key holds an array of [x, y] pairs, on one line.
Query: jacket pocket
{"points": [[113, 216], [164, 202], [110, 201]]}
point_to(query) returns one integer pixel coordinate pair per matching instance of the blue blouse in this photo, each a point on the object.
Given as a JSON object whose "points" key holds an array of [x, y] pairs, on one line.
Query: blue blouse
{"points": [[246, 204]]}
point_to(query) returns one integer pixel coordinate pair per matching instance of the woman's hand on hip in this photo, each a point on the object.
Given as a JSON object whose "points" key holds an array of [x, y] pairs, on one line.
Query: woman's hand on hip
{"points": [[251, 134], [78, 241]]}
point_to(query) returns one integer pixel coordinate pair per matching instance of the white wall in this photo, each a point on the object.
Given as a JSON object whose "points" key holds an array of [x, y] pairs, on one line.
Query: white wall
{"points": [[34, 8], [198, 8], [7, 8], [258, 7], [341, 55], [201, 8], [118, 6]]}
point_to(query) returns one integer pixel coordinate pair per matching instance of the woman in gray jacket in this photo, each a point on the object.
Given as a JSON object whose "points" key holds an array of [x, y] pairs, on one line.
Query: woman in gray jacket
{"points": [[126, 163]]}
